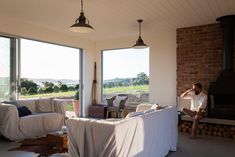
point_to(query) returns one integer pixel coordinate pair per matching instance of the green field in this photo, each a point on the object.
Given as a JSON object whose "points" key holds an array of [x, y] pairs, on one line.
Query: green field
{"points": [[60, 94], [106, 91], [126, 89]]}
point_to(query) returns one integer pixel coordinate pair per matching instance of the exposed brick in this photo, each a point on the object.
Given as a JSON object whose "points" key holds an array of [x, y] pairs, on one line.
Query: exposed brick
{"points": [[199, 55]]}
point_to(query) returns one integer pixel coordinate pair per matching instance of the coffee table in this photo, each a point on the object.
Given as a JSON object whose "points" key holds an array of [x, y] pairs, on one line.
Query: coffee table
{"points": [[57, 141]]}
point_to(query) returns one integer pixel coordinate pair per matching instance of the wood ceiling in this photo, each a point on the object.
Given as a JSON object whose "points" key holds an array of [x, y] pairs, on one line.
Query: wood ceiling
{"points": [[117, 18]]}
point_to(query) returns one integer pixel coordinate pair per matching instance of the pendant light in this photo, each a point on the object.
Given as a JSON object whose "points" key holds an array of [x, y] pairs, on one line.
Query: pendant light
{"points": [[140, 43], [80, 25]]}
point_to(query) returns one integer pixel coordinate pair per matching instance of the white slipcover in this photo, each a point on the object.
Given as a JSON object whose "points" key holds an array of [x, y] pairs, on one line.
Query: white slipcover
{"points": [[14, 127], [151, 135]]}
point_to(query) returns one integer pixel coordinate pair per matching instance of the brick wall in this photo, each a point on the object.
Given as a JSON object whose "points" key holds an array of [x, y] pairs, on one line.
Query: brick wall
{"points": [[199, 55]]}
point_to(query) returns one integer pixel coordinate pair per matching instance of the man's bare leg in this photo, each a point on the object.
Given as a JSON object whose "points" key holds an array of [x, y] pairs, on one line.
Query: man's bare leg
{"points": [[189, 112], [195, 126]]}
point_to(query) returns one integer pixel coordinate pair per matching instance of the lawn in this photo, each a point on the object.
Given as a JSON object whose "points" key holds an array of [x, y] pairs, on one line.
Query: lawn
{"points": [[126, 89], [60, 94]]}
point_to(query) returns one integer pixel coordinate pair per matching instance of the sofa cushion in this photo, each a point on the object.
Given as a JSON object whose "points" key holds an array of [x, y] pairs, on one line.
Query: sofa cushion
{"points": [[23, 111], [29, 103], [45, 105], [118, 100], [40, 123]]}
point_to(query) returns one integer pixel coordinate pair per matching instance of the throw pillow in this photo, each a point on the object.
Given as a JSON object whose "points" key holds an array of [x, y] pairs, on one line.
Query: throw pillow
{"points": [[155, 107], [134, 114], [45, 105], [118, 99], [29, 103], [23, 111]]}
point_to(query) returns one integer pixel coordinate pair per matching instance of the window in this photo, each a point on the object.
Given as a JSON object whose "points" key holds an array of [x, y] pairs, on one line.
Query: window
{"points": [[48, 70], [40, 69], [126, 71]]}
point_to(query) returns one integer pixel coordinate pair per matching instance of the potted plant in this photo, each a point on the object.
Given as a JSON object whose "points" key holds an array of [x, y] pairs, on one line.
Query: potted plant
{"points": [[76, 103]]}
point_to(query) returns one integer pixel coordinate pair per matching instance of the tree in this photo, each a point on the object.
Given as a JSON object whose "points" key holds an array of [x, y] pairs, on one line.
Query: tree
{"points": [[48, 87], [23, 91], [27, 83], [56, 89], [77, 86], [32, 91], [30, 86]]}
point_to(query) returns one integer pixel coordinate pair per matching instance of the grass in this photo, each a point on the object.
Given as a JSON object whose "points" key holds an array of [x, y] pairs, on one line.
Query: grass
{"points": [[60, 94], [126, 89]]}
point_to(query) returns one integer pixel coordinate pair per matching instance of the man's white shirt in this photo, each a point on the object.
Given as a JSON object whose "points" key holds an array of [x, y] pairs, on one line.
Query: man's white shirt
{"points": [[197, 101]]}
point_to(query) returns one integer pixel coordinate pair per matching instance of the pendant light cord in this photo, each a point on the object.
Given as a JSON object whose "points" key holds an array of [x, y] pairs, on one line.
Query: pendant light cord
{"points": [[82, 6], [140, 20]]}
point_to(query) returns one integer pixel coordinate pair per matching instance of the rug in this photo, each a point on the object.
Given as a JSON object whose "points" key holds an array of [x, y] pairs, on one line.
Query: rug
{"points": [[38, 146]]}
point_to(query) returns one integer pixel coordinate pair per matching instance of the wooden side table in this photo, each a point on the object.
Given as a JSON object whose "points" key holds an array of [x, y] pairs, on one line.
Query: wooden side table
{"points": [[57, 141], [97, 111]]}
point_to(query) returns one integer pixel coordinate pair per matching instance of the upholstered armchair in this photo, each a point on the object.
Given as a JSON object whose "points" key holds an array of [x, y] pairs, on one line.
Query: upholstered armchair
{"points": [[116, 104]]}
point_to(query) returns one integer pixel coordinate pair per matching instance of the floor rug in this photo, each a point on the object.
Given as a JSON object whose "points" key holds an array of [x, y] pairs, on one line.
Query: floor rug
{"points": [[38, 146]]}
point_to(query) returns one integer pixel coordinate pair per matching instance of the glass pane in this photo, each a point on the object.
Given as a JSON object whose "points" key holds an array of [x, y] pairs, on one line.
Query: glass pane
{"points": [[126, 71], [4, 68]]}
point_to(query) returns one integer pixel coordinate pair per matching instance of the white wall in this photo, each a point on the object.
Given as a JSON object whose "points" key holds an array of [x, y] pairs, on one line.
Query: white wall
{"points": [[162, 63], [18, 28]]}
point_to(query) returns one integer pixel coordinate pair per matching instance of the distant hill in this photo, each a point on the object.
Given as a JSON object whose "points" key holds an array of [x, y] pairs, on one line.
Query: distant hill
{"points": [[55, 81], [117, 80]]}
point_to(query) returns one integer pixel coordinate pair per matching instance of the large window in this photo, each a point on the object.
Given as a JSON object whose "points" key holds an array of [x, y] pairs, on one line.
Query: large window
{"points": [[48, 70], [31, 69], [126, 71]]}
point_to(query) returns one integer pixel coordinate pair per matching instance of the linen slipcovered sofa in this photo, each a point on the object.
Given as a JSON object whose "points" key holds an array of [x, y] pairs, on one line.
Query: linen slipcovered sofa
{"points": [[153, 133], [47, 116]]}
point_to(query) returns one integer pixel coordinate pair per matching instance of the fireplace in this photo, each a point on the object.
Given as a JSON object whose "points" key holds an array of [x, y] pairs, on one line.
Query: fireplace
{"points": [[221, 93]]}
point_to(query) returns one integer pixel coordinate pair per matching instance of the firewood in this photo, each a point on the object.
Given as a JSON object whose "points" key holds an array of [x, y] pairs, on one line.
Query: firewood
{"points": [[185, 129], [219, 134], [200, 126]]}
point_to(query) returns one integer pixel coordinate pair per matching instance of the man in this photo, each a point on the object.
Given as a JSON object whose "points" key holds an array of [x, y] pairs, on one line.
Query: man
{"points": [[198, 105]]}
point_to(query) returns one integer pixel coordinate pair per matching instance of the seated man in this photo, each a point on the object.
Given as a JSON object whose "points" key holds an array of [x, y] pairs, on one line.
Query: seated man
{"points": [[198, 105]]}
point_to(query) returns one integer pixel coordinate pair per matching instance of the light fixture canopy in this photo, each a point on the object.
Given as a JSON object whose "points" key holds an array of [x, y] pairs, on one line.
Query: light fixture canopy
{"points": [[81, 25], [140, 43]]}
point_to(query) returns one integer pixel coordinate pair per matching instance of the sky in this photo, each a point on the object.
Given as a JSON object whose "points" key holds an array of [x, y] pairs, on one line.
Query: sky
{"points": [[43, 60], [49, 61], [125, 63]]}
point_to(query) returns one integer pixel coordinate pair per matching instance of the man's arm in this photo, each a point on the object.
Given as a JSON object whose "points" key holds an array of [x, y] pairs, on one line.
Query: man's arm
{"points": [[186, 93]]}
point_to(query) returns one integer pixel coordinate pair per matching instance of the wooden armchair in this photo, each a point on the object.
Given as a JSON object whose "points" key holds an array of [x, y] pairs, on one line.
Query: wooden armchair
{"points": [[116, 104]]}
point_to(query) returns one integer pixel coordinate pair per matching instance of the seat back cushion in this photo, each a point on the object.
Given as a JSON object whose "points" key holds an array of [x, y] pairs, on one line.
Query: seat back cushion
{"points": [[118, 99], [29, 103], [45, 105]]}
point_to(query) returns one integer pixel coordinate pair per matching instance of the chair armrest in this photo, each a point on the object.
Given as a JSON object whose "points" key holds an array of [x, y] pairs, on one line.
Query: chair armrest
{"points": [[9, 121], [8, 112]]}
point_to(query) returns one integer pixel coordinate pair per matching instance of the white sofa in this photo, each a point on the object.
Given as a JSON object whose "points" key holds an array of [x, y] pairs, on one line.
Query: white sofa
{"points": [[153, 134], [47, 116]]}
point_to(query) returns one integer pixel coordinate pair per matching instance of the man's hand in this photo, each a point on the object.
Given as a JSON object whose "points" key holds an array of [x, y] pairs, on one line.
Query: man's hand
{"points": [[186, 92]]}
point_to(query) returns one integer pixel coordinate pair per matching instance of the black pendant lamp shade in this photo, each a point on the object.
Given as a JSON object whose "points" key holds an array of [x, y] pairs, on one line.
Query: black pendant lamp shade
{"points": [[140, 43], [81, 25]]}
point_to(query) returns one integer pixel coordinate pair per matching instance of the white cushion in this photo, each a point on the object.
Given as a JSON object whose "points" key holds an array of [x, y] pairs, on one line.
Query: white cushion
{"points": [[143, 107], [45, 105], [118, 99], [29, 103], [134, 114]]}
